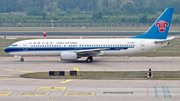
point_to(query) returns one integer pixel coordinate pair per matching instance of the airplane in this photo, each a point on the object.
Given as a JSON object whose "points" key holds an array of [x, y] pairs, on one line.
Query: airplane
{"points": [[73, 49]]}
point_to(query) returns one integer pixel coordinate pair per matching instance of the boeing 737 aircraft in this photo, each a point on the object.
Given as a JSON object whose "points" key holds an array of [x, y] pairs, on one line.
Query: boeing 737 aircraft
{"points": [[73, 49]]}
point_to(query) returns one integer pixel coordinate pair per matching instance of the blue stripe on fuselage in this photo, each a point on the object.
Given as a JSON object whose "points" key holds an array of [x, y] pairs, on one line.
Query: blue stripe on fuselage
{"points": [[28, 49]]}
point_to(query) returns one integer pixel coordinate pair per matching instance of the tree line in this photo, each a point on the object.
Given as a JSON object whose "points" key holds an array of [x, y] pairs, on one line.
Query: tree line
{"points": [[85, 19], [86, 10]]}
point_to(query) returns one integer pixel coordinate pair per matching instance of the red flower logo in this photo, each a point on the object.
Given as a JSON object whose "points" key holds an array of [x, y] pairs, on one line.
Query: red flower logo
{"points": [[162, 25]]}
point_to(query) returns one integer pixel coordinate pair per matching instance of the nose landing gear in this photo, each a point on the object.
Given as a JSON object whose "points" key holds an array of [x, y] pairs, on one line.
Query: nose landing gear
{"points": [[22, 59]]}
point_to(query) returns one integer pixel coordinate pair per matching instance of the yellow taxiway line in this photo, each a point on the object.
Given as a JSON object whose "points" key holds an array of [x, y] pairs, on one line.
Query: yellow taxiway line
{"points": [[51, 89], [33, 94], [18, 70], [5, 75], [2, 93], [79, 94], [51, 99], [66, 81], [75, 68]]}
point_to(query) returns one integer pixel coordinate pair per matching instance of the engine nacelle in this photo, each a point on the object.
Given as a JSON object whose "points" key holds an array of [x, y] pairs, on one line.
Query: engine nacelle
{"points": [[68, 56]]}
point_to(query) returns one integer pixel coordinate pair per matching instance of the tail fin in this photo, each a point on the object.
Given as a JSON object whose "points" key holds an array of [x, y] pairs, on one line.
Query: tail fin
{"points": [[160, 28]]}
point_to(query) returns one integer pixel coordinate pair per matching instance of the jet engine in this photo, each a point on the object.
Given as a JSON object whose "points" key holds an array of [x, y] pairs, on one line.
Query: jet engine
{"points": [[68, 56]]}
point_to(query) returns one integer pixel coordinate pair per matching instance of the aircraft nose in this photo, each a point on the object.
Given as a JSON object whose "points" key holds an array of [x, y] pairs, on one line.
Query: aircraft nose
{"points": [[6, 49]]}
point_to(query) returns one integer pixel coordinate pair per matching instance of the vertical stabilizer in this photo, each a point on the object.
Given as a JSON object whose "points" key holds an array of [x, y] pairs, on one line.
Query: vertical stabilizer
{"points": [[160, 28]]}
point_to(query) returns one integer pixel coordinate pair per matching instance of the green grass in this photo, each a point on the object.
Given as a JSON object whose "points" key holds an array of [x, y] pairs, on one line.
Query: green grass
{"points": [[120, 75], [77, 29], [173, 49]]}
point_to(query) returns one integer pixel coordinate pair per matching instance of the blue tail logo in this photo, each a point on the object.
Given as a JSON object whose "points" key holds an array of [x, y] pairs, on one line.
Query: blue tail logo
{"points": [[160, 28]]}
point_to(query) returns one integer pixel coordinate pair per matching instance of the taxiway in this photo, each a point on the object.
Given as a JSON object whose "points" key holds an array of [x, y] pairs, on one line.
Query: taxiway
{"points": [[12, 87]]}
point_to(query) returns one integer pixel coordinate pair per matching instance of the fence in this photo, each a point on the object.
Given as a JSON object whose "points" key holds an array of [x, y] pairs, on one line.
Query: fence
{"points": [[79, 24]]}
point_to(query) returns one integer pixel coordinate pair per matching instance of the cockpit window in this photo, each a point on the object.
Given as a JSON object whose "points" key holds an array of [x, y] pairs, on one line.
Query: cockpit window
{"points": [[14, 45]]}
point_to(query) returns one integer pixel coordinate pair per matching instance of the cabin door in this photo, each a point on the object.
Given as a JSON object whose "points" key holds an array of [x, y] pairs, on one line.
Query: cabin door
{"points": [[142, 45]]}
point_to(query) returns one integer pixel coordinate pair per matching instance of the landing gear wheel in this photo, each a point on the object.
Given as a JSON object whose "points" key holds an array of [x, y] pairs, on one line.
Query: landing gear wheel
{"points": [[89, 59], [22, 59]]}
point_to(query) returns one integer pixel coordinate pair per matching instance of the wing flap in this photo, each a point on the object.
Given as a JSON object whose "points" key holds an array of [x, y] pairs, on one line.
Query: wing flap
{"points": [[91, 52], [88, 50]]}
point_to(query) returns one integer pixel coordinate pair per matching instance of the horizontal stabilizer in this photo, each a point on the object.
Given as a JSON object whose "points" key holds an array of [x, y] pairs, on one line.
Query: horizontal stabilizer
{"points": [[166, 40]]}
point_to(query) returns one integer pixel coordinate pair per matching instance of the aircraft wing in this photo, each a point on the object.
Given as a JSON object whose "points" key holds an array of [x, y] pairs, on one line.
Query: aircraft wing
{"points": [[166, 40], [91, 52]]}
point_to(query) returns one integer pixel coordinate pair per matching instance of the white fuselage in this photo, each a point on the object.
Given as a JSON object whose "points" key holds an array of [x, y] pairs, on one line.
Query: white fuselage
{"points": [[109, 47]]}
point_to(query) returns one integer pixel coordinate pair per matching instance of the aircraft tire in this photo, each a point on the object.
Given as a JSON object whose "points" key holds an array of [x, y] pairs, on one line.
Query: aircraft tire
{"points": [[89, 59], [22, 60]]}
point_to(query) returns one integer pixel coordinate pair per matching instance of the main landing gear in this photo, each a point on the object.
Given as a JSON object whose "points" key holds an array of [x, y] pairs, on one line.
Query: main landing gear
{"points": [[89, 59], [22, 59]]}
